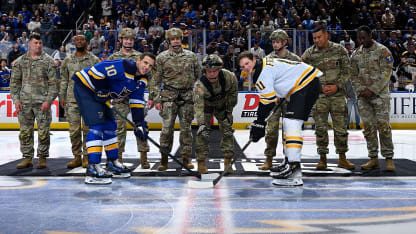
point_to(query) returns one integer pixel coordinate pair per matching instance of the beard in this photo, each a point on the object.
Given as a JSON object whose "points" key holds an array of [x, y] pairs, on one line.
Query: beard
{"points": [[81, 49]]}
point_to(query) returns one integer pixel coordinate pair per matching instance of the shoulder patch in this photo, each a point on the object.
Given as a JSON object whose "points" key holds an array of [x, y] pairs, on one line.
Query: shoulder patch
{"points": [[389, 58]]}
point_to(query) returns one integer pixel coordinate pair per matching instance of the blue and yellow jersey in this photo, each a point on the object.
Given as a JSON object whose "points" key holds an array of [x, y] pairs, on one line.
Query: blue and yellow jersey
{"points": [[281, 78], [118, 78], [5, 79]]}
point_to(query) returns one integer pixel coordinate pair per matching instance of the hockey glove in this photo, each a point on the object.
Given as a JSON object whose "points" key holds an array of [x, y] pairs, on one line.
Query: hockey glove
{"points": [[203, 131], [101, 95], [141, 130], [258, 130]]}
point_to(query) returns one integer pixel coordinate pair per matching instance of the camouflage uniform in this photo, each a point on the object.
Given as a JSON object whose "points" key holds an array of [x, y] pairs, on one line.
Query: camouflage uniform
{"points": [[177, 72], [333, 62], [69, 67], [123, 106], [33, 82], [372, 68], [272, 131], [222, 109]]}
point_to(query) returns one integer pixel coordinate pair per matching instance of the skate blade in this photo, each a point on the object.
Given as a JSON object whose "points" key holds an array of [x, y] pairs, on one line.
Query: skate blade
{"points": [[211, 176], [93, 180], [200, 184], [288, 182], [122, 175]]}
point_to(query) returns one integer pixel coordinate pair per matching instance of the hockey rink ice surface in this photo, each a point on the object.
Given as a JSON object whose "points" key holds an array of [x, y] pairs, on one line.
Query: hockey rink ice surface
{"points": [[151, 204]]}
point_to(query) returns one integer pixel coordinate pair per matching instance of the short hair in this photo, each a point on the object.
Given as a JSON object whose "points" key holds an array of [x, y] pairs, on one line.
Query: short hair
{"points": [[148, 54], [34, 35], [245, 54], [319, 28], [365, 28]]}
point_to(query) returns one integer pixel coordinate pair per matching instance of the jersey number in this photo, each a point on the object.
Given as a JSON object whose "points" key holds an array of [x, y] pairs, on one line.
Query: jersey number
{"points": [[111, 70]]}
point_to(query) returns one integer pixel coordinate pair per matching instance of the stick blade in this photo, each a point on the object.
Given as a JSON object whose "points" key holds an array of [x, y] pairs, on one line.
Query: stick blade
{"points": [[200, 184], [211, 176]]}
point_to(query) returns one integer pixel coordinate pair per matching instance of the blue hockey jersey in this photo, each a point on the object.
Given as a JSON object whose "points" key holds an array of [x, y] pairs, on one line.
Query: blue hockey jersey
{"points": [[5, 79], [117, 78]]}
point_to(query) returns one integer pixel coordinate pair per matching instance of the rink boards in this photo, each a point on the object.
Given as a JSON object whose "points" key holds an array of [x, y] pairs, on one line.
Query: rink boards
{"points": [[402, 112]]}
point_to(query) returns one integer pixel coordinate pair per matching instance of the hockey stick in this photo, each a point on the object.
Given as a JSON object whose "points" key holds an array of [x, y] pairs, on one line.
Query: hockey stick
{"points": [[153, 141], [211, 184]]}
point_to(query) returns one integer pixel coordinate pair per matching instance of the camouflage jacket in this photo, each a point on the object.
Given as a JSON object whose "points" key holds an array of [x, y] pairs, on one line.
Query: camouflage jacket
{"points": [[70, 65], [289, 56], [372, 68], [177, 72], [34, 80], [333, 62], [203, 98], [120, 55]]}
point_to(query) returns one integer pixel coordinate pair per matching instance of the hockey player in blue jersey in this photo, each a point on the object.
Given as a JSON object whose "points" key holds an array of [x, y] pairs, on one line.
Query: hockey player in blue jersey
{"points": [[296, 82], [96, 85], [4, 76]]}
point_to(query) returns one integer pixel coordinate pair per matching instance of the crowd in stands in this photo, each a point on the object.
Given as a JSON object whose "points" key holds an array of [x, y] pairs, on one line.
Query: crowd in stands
{"points": [[223, 27]]}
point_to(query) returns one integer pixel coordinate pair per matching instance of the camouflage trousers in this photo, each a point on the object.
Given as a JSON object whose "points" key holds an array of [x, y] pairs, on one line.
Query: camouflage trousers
{"points": [[77, 129], [227, 141], [27, 117], [185, 112], [272, 130], [375, 116], [336, 107], [124, 107]]}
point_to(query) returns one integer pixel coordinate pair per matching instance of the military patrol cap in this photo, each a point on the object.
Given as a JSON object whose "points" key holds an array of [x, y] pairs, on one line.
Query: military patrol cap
{"points": [[174, 33], [127, 33], [279, 34], [212, 61]]}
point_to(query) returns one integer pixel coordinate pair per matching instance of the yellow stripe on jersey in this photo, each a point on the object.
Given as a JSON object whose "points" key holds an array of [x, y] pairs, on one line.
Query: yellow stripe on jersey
{"points": [[268, 94], [82, 79], [95, 76], [136, 106], [129, 75], [144, 80], [265, 101], [307, 76], [95, 149], [111, 147]]}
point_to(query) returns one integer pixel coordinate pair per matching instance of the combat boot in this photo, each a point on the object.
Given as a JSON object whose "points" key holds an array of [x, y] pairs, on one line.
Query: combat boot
{"points": [[120, 156], [322, 162], [27, 162], [268, 164], [202, 169], [372, 164], [163, 163], [227, 161], [390, 164], [41, 163], [76, 162], [85, 161], [186, 162], [143, 160], [344, 163]]}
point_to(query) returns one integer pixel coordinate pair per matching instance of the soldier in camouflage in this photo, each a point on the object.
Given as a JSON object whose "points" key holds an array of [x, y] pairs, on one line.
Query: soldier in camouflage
{"points": [[332, 59], [126, 37], [178, 70], [77, 130], [33, 88], [215, 94], [372, 65], [279, 40]]}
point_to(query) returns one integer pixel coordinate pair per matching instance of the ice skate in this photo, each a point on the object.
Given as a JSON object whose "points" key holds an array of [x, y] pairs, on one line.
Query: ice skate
{"points": [[279, 167], [118, 169], [97, 175], [291, 176]]}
